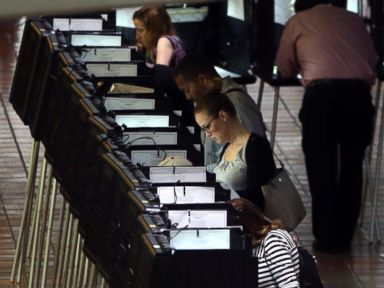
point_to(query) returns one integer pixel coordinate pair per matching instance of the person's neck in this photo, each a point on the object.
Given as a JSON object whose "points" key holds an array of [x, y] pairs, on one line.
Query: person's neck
{"points": [[238, 133]]}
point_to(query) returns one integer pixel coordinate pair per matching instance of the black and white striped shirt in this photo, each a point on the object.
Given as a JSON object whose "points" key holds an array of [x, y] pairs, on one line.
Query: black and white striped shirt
{"points": [[280, 253]]}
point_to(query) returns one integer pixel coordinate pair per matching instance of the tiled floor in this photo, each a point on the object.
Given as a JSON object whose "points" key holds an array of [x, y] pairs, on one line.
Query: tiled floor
{"points": [[362, 267]]}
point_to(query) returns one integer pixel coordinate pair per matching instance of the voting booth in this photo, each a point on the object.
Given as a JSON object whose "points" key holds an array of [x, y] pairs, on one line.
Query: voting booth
{"points": [[138, 208]]}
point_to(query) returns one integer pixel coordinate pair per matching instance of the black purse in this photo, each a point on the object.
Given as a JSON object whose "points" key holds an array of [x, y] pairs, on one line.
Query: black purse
{"points": [[309, 274]]}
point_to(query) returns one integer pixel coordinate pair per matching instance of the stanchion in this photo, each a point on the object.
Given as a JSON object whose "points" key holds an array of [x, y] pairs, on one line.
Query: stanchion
{"points": [[274, 116], [73, 249], [374, 221], [260, 96], [76, 269], [42, 231], [92, 276], [49, 233], [19, 258], [36, 224], [67, 251], [274, 111], [84, 283], [81, 267], [60, 252], [367, 187]]}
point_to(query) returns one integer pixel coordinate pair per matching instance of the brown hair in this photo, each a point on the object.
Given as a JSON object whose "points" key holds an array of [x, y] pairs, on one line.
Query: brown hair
{"points": [[194, 64], [157, 23], [253, 220], [213, 103]]}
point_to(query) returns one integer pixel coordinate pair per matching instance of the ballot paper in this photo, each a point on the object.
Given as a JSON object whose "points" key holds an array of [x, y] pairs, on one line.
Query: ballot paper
{"points": [[154, 157], [225, 73], [177, 174], [235, 9], [125, 103], [186, 194], [132, 121], [188, 14], [106, 55], [77, 24], [124, 16], [112, 69], [204, 239], [198, 218], [96, 40], [121, 88], [151, 137]]}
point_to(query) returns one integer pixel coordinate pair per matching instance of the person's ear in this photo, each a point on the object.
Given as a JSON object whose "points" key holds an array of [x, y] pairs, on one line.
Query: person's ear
{"points": [[202, 79], [223, 115]]}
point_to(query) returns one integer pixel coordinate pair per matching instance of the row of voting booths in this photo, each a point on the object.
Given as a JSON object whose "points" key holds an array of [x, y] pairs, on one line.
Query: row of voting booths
{"points": [[102, 211]]}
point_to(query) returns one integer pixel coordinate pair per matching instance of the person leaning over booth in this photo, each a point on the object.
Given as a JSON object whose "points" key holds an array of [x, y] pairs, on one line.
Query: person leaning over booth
{"points": [[246, 162], [196, 77], [277, 253], [156, 36], [331, 49]]}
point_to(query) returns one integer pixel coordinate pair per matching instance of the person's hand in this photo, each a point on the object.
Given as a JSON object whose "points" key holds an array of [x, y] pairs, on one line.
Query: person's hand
{"points": [[140, 47]]}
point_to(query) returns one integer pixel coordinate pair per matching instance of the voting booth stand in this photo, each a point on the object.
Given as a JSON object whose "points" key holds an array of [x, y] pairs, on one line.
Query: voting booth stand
{"points": [[102, 212]]}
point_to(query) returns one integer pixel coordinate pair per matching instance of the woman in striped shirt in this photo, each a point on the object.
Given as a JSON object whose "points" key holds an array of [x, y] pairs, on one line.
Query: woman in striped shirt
{"points": [[274, 247]]}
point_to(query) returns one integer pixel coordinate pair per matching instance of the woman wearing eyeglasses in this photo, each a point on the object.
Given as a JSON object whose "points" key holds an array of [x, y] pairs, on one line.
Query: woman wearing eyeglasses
{"points": [[246, 161]]}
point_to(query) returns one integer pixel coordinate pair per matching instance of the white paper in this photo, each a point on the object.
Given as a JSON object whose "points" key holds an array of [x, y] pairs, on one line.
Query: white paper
{"points": [[96, 40], [61, 24], [224, 73], [121, 103], [133, 121], [78, 24], [198, 218], [207, 239], [154, 157], [112, 70], [121, 88], [106, 55], [193, 194], [124, 17], [191, 129], [175, 174], [353, 6], [160, 138], [235, 9], [187, 14]]}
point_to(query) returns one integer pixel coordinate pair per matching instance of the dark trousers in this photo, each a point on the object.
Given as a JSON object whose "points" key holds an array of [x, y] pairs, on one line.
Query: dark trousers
{"points": [[336, 118]]}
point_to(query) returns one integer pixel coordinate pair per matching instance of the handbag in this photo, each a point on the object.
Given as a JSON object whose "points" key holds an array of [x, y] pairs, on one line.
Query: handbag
{"points": [[282, 200], [309, 274]]}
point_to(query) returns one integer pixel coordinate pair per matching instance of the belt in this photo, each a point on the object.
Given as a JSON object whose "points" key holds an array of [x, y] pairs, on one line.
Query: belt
{"points": [[336, 82]]}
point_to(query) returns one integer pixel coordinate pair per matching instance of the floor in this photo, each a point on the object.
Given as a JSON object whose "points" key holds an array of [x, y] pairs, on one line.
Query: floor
{"points": [[362, 267]]}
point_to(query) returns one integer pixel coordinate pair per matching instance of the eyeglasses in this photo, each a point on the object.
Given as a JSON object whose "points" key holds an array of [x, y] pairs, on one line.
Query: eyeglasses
{"points": [[207, 126]]}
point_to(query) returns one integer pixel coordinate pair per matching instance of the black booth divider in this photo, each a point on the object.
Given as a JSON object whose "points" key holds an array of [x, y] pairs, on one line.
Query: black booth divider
{"points": [[120, 218]]}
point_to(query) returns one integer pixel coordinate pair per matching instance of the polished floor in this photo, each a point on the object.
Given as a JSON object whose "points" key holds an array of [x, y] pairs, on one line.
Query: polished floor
{"points": [[362, 267]]}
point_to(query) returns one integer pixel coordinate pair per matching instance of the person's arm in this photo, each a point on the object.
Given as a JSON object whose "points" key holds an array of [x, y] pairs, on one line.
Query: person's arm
{"points": [[260, 167], [280, 262], [286, 58], [164, 51]]}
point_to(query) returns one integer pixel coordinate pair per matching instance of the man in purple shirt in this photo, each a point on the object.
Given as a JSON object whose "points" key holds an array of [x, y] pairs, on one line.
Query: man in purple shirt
{"points": [[331, 49]]}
